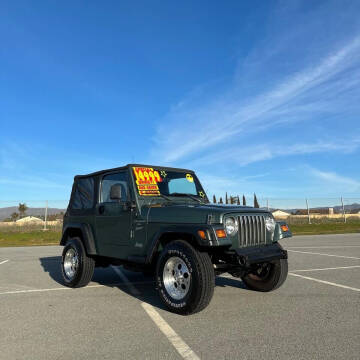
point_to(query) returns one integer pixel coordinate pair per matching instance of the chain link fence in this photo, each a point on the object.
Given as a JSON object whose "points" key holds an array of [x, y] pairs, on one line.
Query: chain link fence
{"points": [[46, 215], [301, 210]]}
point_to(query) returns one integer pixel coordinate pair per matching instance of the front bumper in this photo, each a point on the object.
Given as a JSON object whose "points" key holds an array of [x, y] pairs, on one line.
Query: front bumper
{"points": [[245, 257]]}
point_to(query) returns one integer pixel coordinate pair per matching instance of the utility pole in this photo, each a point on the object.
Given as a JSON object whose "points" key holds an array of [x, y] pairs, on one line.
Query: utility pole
{"points": [[343, 209], [308, 211], [46, 211]]}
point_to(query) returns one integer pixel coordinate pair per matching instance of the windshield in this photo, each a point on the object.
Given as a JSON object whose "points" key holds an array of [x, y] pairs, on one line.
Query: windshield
{"points": [[157, 182]]}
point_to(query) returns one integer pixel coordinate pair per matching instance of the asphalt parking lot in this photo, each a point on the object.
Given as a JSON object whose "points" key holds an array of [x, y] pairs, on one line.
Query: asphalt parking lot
{"points": [[314, 315]]}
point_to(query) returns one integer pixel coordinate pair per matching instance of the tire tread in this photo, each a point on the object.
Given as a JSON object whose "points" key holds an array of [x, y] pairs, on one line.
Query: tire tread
{"points": [[205, 271], [87, 265], [276, 279]]}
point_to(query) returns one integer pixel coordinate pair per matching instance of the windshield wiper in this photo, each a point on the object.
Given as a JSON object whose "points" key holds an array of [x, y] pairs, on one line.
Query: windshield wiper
{"points": [[164, 197], [188, 195]]}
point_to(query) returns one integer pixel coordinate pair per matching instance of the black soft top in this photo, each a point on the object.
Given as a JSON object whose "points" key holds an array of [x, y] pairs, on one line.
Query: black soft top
{"points": [[96, 173]]}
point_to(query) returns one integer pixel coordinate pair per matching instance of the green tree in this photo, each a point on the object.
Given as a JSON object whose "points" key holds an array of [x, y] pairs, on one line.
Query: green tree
{"points": [[256, 204], [238, 200], [226, 199], [22, 209], [14, 216], [244, 200], [221, 200], [214, 199]]}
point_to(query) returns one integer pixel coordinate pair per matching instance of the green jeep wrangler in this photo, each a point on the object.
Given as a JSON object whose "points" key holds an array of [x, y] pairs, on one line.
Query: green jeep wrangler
{"points": [[159, 220]]}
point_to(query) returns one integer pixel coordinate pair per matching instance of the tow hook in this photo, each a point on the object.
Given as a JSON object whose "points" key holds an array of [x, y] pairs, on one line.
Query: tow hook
{"points": [[241, 260]]}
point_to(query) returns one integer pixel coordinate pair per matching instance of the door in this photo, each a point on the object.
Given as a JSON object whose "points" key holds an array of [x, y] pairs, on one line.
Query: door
{"points": [[113, 217]]}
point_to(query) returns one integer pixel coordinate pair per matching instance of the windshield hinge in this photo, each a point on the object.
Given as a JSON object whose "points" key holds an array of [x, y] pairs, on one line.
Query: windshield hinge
{"points": [[209, 218]]}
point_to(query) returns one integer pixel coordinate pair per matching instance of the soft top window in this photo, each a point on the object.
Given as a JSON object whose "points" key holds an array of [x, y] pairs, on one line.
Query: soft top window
{"points": [[83, 196]]}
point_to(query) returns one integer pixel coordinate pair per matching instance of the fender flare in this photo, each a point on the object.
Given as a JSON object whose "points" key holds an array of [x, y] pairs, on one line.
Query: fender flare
{"points": [[191, 230], [87, 236]]}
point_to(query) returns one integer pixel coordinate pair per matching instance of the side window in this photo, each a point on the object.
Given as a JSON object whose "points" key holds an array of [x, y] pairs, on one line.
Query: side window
{"points": [[120, 178], [83, 197]]}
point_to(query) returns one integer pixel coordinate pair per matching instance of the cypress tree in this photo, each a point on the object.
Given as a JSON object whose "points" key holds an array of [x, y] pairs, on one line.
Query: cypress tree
{"points": [[256, 204]]}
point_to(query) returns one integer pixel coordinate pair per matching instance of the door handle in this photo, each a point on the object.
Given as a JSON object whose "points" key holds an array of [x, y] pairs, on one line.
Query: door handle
{"points": [[101, 209]]}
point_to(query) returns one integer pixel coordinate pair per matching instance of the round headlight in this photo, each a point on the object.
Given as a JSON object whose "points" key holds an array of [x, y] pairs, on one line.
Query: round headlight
{"points": [[270, 224], [231, 226]]}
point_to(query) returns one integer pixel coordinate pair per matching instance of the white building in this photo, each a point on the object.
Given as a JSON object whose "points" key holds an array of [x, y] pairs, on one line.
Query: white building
{"points": [[29, 220], [280, 213]]}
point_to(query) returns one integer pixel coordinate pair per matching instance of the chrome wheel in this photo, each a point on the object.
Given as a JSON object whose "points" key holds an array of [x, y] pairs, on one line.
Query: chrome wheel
{"points": [[71, 263], [176, 278]]}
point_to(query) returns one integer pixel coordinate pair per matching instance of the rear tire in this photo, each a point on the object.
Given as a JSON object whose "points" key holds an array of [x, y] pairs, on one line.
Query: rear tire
{"points": [[271, 277], [185, 278], [76, 267]]}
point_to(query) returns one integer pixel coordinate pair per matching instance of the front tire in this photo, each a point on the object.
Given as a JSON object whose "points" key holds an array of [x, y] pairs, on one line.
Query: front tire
{"points": [[268, 276], [185, 278], [76, 267]]}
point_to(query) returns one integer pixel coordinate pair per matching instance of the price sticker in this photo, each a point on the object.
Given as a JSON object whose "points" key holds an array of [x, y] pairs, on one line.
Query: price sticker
{"points": [[147, 180]]}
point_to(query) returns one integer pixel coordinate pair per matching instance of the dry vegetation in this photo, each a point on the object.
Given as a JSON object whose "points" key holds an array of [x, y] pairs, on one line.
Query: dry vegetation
{"points": [[35, 235]]}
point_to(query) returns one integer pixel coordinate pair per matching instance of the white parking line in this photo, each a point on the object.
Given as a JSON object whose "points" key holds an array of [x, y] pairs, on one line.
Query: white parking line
{"points": [[182, 348], [313, 253], [323, 247], [44, 290], [326, 282], [3, 262], [67, 288], [333, 268], [134, 291]]}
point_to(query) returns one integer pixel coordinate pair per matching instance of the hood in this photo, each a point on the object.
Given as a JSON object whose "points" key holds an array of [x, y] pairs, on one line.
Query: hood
{"points": [[195, 213]]}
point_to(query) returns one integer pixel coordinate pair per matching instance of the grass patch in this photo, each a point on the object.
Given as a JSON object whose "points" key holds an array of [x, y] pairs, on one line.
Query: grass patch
{"points": [[325, 228], [52, 237], [30, 238]]}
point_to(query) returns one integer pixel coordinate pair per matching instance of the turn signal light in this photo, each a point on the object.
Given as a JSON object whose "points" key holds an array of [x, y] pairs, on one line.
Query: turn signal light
{"points": [[284, 228], [220, 233], [202, 234]]}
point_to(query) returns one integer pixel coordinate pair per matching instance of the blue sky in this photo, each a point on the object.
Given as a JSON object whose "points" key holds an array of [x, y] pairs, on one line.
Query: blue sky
{"points": [[255, 96]]}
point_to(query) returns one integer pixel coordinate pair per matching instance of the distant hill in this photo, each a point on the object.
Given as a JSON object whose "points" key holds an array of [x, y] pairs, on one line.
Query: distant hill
{"points": [[7, 211], [337, 208], [347, 208]]}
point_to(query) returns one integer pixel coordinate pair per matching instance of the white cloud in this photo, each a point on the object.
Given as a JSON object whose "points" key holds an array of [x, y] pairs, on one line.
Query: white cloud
{"points": [[33, 183], [294, 99], [345, 183], [333, 177], [244, 155]]}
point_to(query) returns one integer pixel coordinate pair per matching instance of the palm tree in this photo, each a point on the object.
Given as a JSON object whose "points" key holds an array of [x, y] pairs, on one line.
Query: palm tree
{"points": [[14, 216], [22, 209]]}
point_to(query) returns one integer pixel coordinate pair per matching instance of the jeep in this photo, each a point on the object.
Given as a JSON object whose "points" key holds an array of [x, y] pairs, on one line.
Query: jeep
{"points": [[158, 220]]}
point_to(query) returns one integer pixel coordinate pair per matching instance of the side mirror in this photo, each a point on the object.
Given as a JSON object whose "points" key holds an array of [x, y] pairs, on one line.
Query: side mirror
{"points": [[129, 206], [115, 192]]}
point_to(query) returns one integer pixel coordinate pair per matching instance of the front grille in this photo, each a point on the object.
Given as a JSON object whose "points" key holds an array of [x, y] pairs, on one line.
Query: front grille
{"points": [[252, 230]]}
